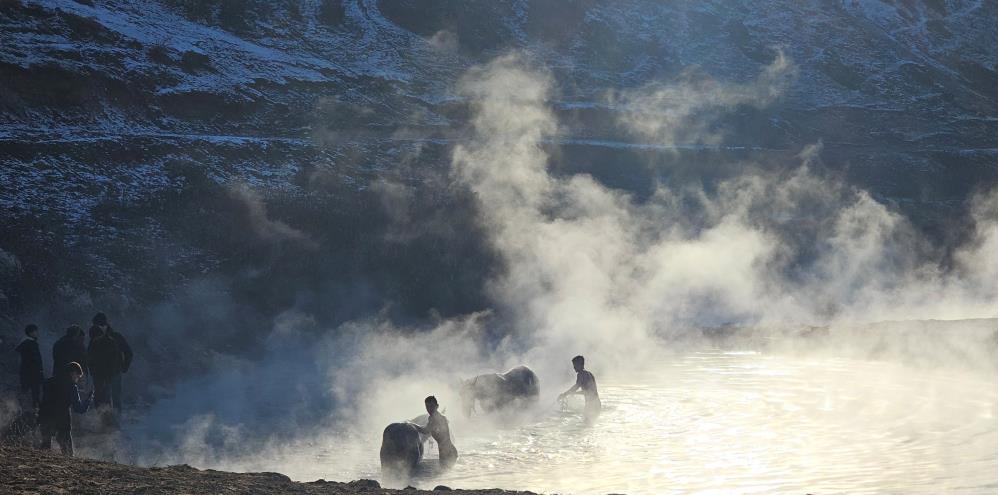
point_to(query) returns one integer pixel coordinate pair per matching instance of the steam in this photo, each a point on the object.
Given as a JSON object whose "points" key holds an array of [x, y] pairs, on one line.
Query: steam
{"points": [[592, 270], [683, 112], [444, 41], [588, 269], [266, 228], [976, 259], [9, 265]]}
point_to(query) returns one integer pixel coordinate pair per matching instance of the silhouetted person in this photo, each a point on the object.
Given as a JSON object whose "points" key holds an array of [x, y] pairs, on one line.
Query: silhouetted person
{"points": [[109, 357], [438, 428], [585, 384], [32, 373], [61, 395], [70, 348]]}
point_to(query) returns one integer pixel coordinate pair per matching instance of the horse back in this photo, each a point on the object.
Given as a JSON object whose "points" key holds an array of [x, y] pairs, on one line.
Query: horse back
{"points": [[401, 441], [522, 381]]}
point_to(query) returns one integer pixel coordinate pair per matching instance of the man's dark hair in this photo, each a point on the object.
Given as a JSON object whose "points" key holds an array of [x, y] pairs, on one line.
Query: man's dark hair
{"points": [[579, 359], [30, 328], [431, 399], [73, 367], [74, 331], [99, 319]]}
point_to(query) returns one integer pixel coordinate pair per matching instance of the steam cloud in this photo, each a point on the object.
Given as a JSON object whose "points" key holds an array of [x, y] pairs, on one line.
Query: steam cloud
{"points": [[266, 228], [683, 112], [794, 245], [590, 269]]}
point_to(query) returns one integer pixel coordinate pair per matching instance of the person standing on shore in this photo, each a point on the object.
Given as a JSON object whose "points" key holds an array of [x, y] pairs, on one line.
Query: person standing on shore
{"points": [[61, 395], [585, 384], [32, 372], [109, 357], [70, 348], [438, 428]]}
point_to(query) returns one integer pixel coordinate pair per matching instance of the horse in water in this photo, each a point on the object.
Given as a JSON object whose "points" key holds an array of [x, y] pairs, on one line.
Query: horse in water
{"points": [[498, 391], [401, 449]]}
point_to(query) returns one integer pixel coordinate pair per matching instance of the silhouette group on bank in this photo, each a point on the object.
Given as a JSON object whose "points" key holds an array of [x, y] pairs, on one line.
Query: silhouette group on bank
{"points": [[104, 359]]}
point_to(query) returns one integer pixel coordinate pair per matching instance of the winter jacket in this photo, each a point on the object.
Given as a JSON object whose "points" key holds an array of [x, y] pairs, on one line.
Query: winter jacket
{"points": [[68, 350], [59, 395], [31, 362], [104, 356], [108, 358], [126, 350]]}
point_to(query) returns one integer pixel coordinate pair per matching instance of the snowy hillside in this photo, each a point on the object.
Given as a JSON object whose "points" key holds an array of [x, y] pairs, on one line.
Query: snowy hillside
{"points": [[128, 128]]}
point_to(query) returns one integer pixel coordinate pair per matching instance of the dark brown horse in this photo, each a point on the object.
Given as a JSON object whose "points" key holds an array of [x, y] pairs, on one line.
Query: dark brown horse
{"points": [[401, 449], [517, 387]]}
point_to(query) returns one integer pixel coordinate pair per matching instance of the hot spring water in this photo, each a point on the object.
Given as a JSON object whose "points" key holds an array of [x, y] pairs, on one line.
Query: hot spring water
{"points": [[727, 422]]}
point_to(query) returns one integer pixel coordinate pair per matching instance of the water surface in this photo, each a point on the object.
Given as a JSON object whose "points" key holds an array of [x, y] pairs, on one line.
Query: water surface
{"points": [[729, 422]]}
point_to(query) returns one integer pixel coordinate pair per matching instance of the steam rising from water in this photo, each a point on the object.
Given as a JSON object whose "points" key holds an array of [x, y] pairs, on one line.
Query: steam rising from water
{"points": [[263, 226], [591, 270], [681, 113]]}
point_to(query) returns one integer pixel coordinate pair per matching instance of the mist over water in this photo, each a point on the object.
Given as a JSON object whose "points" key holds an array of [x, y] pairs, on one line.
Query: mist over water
{"points": [[629, 282], [717, 421]]}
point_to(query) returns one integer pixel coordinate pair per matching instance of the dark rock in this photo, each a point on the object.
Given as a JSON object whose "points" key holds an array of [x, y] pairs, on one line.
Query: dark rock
{"points": [[442, 488], [369, 484], [193, 62], [274, 476]]}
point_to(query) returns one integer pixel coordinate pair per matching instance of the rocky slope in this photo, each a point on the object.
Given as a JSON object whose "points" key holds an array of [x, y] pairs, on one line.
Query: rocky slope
{"points": [[29, 471]]}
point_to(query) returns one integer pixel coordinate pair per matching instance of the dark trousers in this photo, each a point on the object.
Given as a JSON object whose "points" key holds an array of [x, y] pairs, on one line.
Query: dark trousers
{"points": [[107, 390], [36, 391], [63, 436]]}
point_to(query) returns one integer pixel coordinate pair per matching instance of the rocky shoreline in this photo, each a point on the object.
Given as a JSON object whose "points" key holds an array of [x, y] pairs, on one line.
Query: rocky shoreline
{"points": [[30, 471]]}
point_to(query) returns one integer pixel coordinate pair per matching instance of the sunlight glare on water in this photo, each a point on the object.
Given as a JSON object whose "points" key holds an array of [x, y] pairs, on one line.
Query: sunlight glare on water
{"points": [[722, 422]]}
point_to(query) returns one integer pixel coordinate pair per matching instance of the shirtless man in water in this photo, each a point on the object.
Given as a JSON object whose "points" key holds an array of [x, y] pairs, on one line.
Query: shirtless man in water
{"points": [[585, 384], [438, 428]]}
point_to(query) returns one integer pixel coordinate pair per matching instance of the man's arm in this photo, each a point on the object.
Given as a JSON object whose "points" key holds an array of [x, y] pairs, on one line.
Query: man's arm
{"points": [[575, 388], [126, 353], [36, 357], [88, 351], [85, 363], [425, 430], [80, 406]]}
